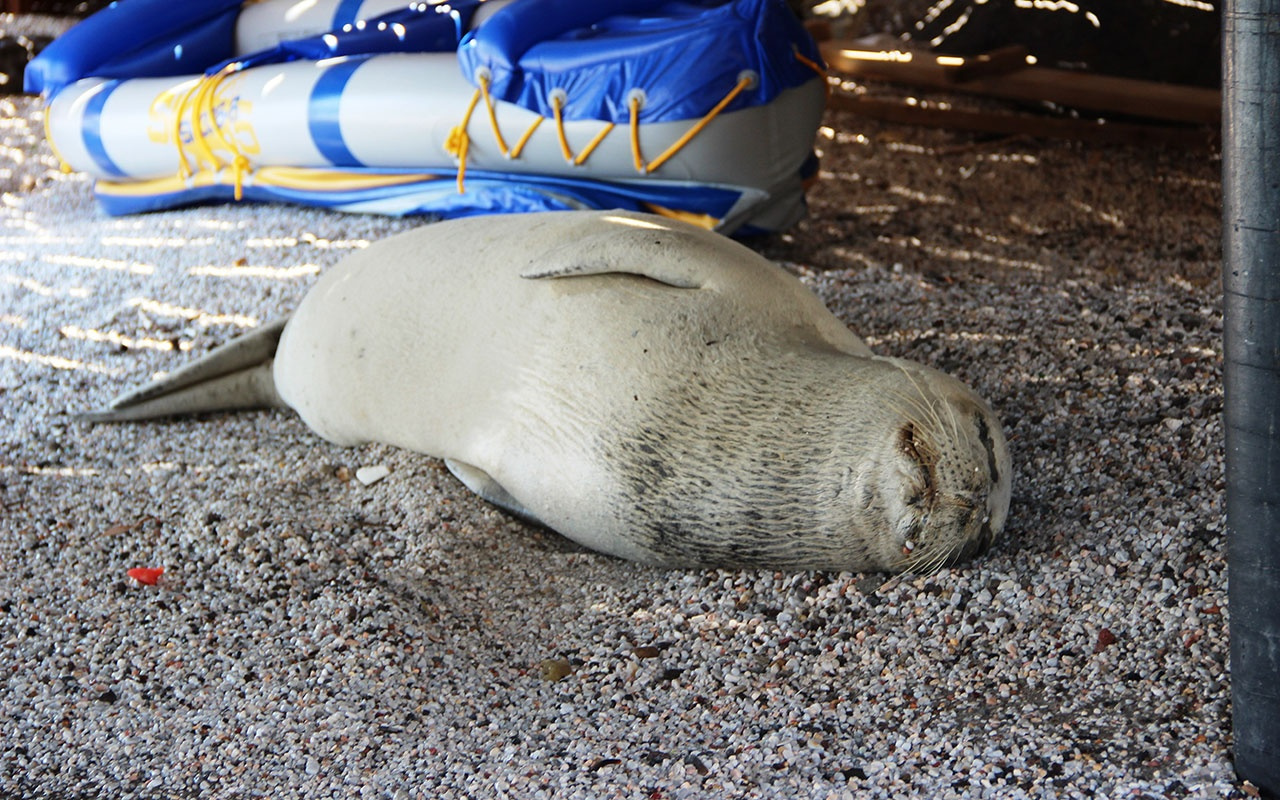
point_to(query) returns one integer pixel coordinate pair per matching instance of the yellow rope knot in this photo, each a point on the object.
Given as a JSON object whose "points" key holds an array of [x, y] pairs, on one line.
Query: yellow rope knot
{"points": [[453, 144], [459, 141], [241, 167]]}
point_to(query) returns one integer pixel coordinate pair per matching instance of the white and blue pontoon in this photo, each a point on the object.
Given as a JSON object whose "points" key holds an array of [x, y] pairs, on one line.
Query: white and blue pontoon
{"points": [[701, 109]]}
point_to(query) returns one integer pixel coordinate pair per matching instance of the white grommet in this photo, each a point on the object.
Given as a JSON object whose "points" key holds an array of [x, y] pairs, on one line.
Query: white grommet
{"points": [[749, 75], [638, 97]]}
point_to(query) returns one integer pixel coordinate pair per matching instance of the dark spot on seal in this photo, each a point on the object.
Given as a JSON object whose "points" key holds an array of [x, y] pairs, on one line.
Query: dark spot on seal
{"points": [[659, 469], [868, 496], [984, 436]]}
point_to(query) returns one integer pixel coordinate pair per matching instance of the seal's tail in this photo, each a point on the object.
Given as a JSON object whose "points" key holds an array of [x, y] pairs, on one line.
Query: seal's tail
{"points": [[236, 375]]}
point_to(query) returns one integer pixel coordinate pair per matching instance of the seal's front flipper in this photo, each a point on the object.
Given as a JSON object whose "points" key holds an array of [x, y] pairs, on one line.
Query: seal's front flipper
{"points": [[628, 245], [236, 375], [483, 484]]}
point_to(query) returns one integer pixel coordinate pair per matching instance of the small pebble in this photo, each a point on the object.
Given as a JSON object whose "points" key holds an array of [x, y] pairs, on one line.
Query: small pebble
{"points": [[371, 475], [555, 669]]}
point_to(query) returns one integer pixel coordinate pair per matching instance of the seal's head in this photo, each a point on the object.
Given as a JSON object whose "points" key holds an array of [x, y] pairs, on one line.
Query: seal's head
{"points": [[942, 477]]}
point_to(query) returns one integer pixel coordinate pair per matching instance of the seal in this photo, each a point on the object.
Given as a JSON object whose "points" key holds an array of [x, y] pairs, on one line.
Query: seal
{"points": [[647, 388]]}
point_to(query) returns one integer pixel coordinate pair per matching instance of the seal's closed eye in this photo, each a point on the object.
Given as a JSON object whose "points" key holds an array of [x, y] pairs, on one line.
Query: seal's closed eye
{"points": [[923, 455]]}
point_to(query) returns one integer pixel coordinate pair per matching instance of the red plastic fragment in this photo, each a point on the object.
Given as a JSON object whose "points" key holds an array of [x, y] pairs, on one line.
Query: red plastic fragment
{"points": [[1105, 639], [147, 575]]}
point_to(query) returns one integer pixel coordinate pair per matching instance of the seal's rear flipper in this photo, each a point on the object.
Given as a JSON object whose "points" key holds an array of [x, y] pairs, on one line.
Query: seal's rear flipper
{"points": [[236, 375], [483, 484]]}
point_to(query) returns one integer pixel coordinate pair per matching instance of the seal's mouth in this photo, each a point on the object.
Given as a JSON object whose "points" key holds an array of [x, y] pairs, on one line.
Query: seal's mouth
{"points": [[945, 536]]}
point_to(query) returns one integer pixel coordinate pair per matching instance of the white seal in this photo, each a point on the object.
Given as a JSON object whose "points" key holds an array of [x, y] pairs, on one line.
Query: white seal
{"points": [[644, 387]]}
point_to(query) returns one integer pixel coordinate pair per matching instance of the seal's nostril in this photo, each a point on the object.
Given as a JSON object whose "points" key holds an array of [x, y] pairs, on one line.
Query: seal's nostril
{"points": [[986, 537], [973, 548]]}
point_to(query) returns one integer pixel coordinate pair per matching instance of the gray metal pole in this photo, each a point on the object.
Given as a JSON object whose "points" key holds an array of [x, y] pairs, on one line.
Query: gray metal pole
{"points": [[1251, 284]]}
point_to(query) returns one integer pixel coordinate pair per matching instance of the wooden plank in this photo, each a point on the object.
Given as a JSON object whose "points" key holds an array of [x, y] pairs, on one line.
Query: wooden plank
{"points": [[893, 110], [1001, 61], [1082, 90]]}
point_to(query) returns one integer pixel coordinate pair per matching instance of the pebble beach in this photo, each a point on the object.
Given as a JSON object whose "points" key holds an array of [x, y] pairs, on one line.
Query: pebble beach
{"points": [[353, 623]]}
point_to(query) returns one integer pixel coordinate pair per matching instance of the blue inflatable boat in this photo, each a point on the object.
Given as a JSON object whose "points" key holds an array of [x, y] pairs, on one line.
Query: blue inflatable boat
{"points": [[700, 109]]}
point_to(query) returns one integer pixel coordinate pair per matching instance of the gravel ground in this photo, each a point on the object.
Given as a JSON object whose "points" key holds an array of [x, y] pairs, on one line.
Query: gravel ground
{"points": [[313, 636]]}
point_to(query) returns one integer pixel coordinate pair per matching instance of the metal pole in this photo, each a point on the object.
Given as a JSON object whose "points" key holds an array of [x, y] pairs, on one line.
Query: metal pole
{"points": [[1251, 291]]}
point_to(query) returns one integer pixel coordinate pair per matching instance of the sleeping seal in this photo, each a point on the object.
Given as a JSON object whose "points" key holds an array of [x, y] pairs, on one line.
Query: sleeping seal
{"points": [[646, 388]]}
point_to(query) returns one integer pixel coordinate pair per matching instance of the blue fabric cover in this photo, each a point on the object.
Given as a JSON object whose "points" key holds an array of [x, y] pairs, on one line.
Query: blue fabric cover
{"points": [[138, 39], [418, 28], [190, 37], [685, 55]]}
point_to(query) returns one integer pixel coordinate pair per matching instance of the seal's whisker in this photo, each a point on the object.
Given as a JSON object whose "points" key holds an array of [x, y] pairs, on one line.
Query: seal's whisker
{"points": [[923, 402], [924, 416], [955, 423]]}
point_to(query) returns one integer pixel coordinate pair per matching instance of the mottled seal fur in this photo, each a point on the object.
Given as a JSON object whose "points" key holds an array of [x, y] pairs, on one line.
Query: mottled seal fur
{"points": [[647, 388]]}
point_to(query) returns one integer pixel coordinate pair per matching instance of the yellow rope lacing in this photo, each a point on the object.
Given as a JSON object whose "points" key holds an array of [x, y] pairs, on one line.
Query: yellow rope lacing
{"points": [[493, 116], [519, 148], [201, 101], [184, 167], [458, 142], [196, 105], [745, 82], [810, 63], [557, 104], [816, 67], [240, 164], [586, 152], [634, 104]]}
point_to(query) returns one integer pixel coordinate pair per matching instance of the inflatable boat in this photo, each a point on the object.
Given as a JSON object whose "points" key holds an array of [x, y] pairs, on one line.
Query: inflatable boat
{"points": [[700, 109]]}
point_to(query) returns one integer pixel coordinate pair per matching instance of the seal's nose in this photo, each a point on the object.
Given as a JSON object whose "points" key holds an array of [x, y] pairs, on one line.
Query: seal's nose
{"points": [[986, 537], [972, 548]]}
